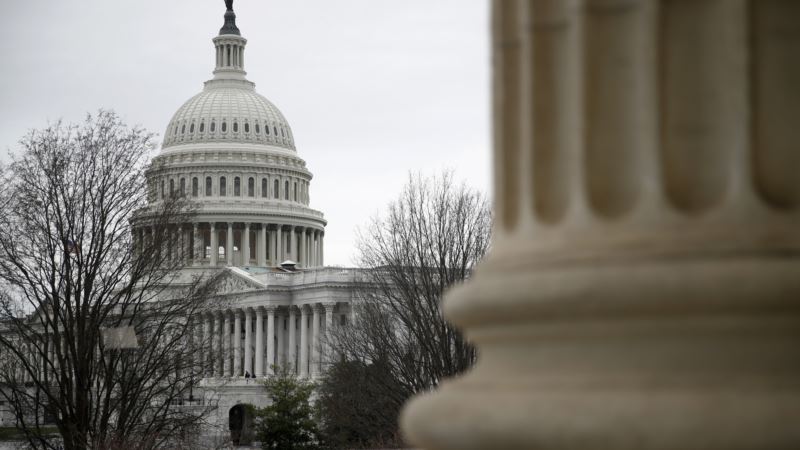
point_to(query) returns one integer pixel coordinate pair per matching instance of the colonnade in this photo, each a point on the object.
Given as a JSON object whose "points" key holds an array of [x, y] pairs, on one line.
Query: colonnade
{"points": [[235, 342], [242, 243]]}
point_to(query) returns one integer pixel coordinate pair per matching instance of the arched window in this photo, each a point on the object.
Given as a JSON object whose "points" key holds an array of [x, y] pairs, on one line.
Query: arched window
{"points": [[191, 128], [222, 187], [175, 130], [258, 129], [246, 127], [264, 187], [208, 186], [237, 187], [183, 129], [235, 127], [202, 126], [282, 135], [213, 126], [162, 188], [251, 187], [224, 126], [295, 191], [275, 129], [266, 129], [172, 188], [286, 190], [274, 189], [195, 187], [183, 187]]}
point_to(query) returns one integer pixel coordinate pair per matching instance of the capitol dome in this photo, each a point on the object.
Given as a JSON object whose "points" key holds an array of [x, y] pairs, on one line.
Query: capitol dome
{"points": [[232, 153], [229, 110]]}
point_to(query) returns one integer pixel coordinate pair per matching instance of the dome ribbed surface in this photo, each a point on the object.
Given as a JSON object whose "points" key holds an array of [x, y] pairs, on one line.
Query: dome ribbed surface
{"points": [[229, 112]]}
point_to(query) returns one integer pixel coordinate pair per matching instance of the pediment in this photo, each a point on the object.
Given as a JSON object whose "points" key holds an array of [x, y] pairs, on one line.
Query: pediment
{"points": [[237, 281]]}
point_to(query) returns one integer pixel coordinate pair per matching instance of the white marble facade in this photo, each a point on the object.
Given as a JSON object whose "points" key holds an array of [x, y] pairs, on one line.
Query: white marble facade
{"points": [[233, 153]]}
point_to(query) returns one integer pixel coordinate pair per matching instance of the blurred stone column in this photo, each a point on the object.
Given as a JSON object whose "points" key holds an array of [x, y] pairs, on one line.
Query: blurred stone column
{"points": [[643, 288]]}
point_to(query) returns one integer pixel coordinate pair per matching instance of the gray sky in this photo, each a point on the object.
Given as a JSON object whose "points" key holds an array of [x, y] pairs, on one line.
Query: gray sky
{"points": [[373, 89]]}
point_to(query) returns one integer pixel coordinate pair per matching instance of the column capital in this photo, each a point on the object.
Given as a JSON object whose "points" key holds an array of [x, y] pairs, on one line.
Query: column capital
{"points": [[270, 308], [329, 306]]}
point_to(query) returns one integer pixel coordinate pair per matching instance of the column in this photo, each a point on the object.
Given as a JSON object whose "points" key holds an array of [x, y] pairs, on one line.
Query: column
{"points": [[321, 249], [262, 246], [292, 353], [270, 339], [315, 343], [259, 342], [246, 245], [237, 343], [279, 345], [642, 285], [214, 238], [229, 244], [226, 344], [303, 341], [302, 257], [327, 345], [248, 341], [279, 247], [216, 344], [206, 343], [196, 248]]}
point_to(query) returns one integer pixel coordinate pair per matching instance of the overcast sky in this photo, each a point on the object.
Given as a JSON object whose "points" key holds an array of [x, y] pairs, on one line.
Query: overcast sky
{"points": [[372, 89]]}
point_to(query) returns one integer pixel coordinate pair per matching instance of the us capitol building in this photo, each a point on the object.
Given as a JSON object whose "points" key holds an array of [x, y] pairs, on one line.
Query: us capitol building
{"points": [[232, 151]]}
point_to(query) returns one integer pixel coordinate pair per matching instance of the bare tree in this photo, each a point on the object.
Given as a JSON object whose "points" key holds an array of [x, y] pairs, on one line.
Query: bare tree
{"points": [[429, 239], [74, 279]]}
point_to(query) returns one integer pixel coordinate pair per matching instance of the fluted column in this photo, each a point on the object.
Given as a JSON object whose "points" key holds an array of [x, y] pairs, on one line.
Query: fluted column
{"points": [[229, 244], [270, 339], [214, 238], [246, 245], [315, 341], [237, 343], [259, 342], [642, 287], [292, 350], [303, 341]]}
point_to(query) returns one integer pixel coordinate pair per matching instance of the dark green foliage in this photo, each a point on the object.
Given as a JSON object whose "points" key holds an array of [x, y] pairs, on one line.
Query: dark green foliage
{"points": [[353, 408], [288, 423]]}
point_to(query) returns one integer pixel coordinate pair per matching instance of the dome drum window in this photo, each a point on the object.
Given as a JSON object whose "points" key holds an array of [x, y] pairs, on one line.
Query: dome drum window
{"points": [[235, 127], [237, 187], [224, 127], [202, 126], [246, 127], [213, 126]]}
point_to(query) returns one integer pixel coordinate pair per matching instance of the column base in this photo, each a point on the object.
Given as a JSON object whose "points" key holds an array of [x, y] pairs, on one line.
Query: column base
{"points": [[701, 353]]}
